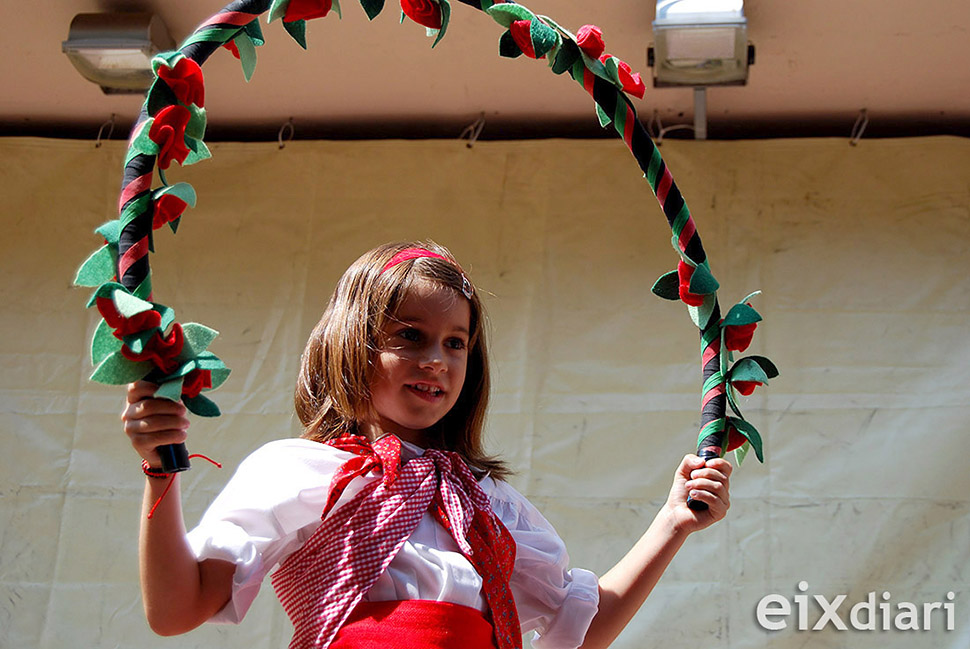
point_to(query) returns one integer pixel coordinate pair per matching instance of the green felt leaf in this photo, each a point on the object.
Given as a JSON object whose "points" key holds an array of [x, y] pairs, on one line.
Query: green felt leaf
{"points": [[201, 406], [127, 304], [247, 54], [136, 342], [105, 290], [103, 343], [544, 37], [701, 315], [110, 231], [174, 224], [198, 152], [118, 370], [296, 29], [769, 368], [507, 46], [219, 376], [604, 117], [593, 65], [668, 286], [167, 316], [278, 9], [255, 32], [741, 314], [505, 14], [567, 55], [168, 59], [612, 72], [171, 390], [335, 7], [733, 402], [209, 361], [702, 282], [96, 269], [750, 433], [182, 191], [196, 126], [748, 369], [559, 28], [197, 339], [445, 19], [741, 452], [142, 144], [159, 96], [372, 8]]}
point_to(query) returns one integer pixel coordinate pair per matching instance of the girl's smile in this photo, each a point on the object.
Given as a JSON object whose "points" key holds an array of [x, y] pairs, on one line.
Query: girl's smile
{"points": [[420, 368]]}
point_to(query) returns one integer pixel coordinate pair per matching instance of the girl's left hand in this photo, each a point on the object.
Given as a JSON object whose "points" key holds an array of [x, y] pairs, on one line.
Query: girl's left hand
{"points": [[706, 482]]}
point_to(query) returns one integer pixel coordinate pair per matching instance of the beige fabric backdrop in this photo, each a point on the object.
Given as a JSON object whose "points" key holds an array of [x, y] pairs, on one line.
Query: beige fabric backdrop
{"points": [[861, 253]]}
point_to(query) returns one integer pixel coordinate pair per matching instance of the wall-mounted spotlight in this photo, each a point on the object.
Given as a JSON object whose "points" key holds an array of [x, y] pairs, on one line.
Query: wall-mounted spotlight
{"points": [[114, 50], [700, 43]]}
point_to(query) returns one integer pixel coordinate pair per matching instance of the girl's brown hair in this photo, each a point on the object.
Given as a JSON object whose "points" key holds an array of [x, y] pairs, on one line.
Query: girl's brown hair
{"points": [[333, 389]]}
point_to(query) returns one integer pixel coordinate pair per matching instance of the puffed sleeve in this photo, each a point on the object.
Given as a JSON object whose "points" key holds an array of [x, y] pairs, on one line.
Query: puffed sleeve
{"points": [[267, 510], [556, 602]]}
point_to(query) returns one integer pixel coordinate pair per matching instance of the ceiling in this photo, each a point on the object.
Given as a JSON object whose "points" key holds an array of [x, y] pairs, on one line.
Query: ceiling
{"points": [[818, 64]]}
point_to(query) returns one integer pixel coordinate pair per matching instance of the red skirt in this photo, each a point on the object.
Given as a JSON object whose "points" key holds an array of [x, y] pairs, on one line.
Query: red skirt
{"points": [[414, 624]]}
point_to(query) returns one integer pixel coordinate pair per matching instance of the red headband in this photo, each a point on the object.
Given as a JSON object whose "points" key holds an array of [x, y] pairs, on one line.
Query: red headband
{"points": [[411, 253], [417, 253]]}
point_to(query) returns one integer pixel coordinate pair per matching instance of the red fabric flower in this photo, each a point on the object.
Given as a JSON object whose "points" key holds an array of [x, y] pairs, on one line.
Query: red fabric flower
{"points": [[738, 337], [168, 132], [423, 12], [735, 439], [196, 381], [684, 272], [168, 207], [522, 35], [185, 80], [126, 326], [631, 81], [746, 387], [231, 46], [161, 351], [590, 40], [306, 10]]}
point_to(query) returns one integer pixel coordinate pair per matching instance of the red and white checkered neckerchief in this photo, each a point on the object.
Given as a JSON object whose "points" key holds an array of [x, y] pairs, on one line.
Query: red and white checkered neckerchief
{"points": [[321, 583]]}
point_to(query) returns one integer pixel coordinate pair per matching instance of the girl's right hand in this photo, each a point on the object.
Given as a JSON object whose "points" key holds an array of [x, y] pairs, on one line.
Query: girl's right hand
{"points": [[150, 423]]}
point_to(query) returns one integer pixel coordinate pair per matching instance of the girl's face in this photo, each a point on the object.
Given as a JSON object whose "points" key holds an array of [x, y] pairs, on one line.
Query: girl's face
{"points": [[420, 370]]}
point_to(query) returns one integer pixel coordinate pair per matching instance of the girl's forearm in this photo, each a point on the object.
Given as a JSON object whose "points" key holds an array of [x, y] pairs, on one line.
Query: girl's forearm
{"points": [[625, 587], [179, 592]]}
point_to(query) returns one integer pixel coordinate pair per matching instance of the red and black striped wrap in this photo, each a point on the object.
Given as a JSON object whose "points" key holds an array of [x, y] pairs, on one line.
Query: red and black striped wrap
{"points": [[614, 106], [615, 103], [135, 214]]}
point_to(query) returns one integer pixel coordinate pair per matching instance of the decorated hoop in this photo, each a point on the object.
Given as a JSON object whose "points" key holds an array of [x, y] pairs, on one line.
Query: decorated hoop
{"points": [[139, 339]]}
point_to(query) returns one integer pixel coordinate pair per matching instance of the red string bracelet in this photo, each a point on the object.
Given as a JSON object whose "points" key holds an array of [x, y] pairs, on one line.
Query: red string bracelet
{"points": [[156, 473]]}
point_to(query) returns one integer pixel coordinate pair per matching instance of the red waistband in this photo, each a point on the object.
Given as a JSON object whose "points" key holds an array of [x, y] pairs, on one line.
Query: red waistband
{"points": [[414, 624]]}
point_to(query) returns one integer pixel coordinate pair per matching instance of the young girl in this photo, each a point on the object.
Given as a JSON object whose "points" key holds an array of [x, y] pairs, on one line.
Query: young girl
{"points": [[391, 525]]}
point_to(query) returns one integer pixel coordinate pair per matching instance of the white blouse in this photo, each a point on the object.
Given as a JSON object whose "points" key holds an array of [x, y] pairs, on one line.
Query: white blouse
{"points": [[273, 504]]}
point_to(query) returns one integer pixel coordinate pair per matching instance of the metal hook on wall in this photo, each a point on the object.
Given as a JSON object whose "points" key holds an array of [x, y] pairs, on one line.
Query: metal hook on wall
{"points": [[861, 122], [473, 130], [287, 126], [110, 125]]}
